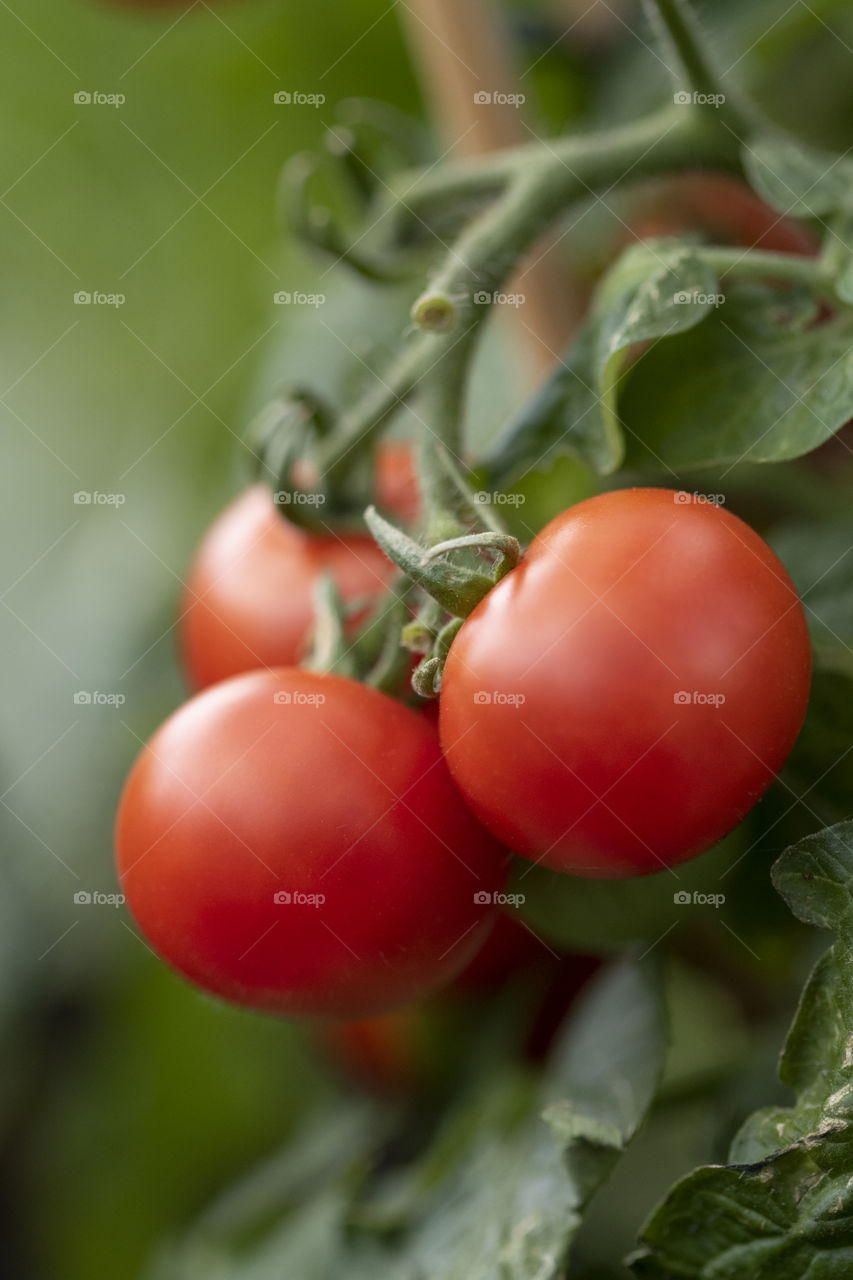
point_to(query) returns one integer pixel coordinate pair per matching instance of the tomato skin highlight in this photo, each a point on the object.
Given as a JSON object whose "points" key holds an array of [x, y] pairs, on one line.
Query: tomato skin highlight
{"points": [[240, 796], [248, 599], [618, 702]]}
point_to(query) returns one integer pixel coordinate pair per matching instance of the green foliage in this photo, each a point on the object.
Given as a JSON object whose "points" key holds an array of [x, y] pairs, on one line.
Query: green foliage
{"points": [[654, 290], [497, 1195], [732, 392], [781, 1207], [128, 1100]]}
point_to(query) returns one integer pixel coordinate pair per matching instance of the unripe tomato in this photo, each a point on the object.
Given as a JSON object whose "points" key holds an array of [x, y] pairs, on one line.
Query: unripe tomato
{"points": [[293, 842], [248, 600], [618, 702]]}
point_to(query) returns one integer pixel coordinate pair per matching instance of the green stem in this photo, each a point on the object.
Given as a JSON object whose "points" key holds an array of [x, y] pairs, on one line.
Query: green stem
{"points": [[598, 160], [559, 177], [549, 179], [760, 264], [442, 409], [692, 68]]}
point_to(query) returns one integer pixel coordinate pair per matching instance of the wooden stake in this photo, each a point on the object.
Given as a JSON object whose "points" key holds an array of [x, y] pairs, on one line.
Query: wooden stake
{"points": [[461, 54]]}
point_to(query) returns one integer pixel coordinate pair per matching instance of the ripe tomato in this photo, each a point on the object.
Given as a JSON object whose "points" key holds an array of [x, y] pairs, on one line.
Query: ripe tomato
{"points": [[293, 841], [509, 949], [248, 597], [397, 489], [724, 208], [618, 702], [421, 1047]]}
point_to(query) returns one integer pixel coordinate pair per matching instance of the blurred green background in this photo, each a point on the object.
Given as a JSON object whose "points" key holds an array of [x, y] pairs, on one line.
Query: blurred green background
{"points": [[127, 1099]]}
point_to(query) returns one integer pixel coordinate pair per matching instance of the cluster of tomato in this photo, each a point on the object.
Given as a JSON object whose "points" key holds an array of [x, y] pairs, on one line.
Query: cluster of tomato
{"points": [[298, 842]]}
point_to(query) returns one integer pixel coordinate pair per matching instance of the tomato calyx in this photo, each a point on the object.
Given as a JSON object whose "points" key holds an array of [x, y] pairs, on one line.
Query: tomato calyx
{"points": [[456, 585], [282, 440], [374, 656], [427, 676]]}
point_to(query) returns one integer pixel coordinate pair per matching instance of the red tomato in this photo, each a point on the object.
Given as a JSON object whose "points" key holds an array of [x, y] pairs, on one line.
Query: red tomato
{"points": [[248, 598], [397, 489], [293, 841], [509, 949], [397, 1052], [618, 702], [724, 208], [421, 1046]]}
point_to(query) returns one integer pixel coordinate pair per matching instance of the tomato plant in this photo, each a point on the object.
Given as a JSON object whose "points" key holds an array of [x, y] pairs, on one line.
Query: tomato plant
{"points": [[649, 646], [262, 883], [725, 209], [421, 1047], [248, 600], [615, 692]]}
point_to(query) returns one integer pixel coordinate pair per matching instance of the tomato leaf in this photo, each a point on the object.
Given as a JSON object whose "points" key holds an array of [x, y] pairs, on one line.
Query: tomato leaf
{"points": [[782, 1208], [819, 559], [497, 1195], [737, 391], [797, 179], [657, 288], [509, 1209]]}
